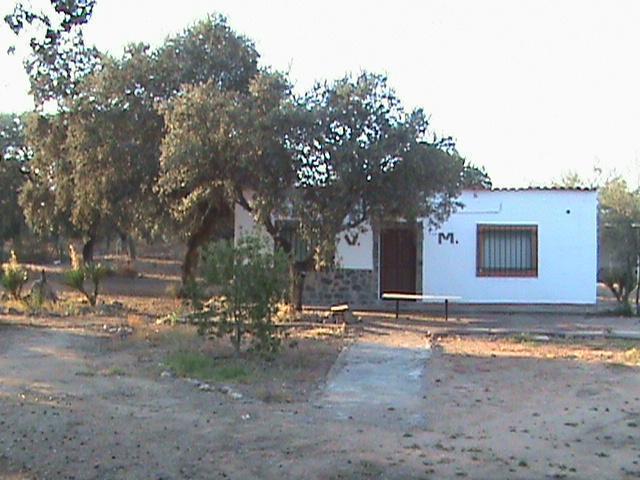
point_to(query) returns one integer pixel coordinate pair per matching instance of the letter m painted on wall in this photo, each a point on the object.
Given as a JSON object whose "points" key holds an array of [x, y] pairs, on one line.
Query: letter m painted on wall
{"points": [[443, 237]]}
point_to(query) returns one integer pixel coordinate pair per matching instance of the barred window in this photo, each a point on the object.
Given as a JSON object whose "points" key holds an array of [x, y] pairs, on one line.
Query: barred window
{"points": [[507, 251]]}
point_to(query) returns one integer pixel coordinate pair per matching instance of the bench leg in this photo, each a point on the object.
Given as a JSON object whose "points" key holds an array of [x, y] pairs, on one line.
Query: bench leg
{"points": [[446, 309], [397, 309]]}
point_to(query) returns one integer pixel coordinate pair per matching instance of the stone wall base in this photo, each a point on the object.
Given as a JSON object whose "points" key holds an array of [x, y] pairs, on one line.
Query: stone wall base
{"points": [[331, 287]]}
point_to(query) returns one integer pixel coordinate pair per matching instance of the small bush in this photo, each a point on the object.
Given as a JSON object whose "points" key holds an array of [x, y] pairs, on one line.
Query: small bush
{"points": [[14, 276], [34, 301], [624, 309], [94, 272], [193, 293], [75, 279], [252, 280]]}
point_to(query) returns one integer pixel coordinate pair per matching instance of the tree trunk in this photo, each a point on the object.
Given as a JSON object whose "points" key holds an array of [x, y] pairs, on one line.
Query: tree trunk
{"points": [[198, 238], [238, 338], [131, 248], [127, 241], [296, 287], [192, 257], [297, 276], [87, 249]]}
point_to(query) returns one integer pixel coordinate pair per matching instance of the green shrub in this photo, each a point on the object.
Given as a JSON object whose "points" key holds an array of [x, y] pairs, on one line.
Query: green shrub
{"points": [[621, 281], [75, 278], [94, 272], [14, 276], [193, 292], [34, 301], [251, 279]]}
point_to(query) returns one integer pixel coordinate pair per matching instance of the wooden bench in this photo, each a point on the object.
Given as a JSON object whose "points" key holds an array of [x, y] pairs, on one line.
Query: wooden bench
{"points": [[397, 297], [338, 311]]}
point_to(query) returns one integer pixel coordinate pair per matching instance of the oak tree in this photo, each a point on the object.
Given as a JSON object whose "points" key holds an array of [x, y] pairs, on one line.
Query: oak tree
{"points": [[360, 157]]}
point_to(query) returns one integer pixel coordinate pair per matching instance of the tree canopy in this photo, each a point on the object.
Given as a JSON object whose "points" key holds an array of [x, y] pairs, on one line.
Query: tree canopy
{"points": [[59, 58], [360, 157], [178, 135], [218, 144], [98, 158], [339, 156]]}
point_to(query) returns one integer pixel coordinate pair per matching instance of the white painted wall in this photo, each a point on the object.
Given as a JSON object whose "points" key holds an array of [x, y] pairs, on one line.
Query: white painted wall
{"points": [[244, 224], [567, 248], [358, 256]]}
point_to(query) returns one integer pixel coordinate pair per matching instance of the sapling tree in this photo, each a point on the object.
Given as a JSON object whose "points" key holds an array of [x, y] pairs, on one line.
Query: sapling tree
{"points": [[251, 279]]}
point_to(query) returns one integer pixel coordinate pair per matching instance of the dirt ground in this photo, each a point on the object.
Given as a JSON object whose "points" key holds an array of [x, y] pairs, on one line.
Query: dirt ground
{"points": [[81, 402]]}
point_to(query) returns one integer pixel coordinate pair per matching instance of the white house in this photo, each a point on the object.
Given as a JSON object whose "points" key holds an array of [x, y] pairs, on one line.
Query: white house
{"points": [[505, 246]]}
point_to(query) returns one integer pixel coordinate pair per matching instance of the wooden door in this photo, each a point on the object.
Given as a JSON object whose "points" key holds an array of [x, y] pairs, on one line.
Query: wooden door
{"points": [[398, 261]]}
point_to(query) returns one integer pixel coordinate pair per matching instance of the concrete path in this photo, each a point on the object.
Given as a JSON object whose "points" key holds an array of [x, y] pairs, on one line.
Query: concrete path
{"points": [[373, 381]]}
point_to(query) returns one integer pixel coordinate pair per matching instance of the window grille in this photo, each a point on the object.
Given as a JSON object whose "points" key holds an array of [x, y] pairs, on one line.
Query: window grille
{"points": [[507, 251]]}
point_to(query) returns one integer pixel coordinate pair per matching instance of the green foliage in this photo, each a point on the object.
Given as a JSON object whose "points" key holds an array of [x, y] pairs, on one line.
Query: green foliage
{"points": [[360, 157], [75, 278], [59, 57], [47, 199], [35, 301], [109, 123], [621, 280], [207, 51], [619, 220], [572, 179], [14, 277], [13, 162], [476, 178], [219, 141], [95, 273], [193, 292], [188, 363], [107, 129], [251, 280]]}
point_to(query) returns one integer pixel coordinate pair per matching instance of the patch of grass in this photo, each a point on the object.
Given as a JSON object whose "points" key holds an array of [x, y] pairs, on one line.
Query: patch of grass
{"points": [[115, 372], [193, 364]]}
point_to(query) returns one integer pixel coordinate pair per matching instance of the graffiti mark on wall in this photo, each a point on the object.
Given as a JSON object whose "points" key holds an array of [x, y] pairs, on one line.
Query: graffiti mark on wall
{"points": [[447, 237], [351, 238]]}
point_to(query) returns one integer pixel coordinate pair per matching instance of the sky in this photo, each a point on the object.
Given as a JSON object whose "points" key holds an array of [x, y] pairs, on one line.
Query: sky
{"points": [[529, 90]]}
